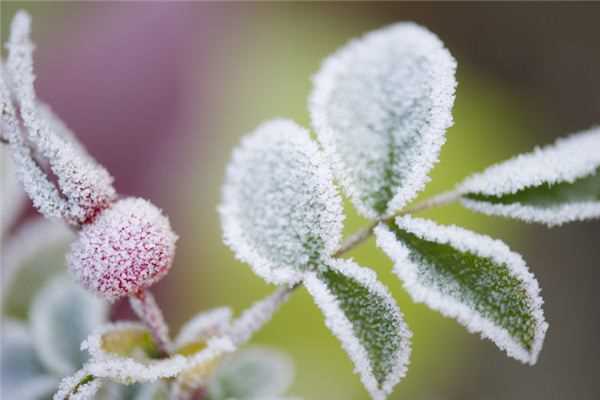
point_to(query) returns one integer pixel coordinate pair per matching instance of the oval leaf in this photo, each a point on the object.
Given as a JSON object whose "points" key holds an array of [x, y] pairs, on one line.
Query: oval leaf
{"points": [[360, 312], [281, 212], [556, 184], [31, 257], [470, 277], [62, 315], [381, 106], [251, 374]]}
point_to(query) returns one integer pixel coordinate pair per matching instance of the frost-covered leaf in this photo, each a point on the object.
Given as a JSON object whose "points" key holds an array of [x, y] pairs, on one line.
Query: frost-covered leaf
{"points": [[254, 373], [84, 184], [281, 212], [381, 106], [62, 315], [22, 375], [124, 352], [361, 313], [553, 185], [473, 278], [12, 197], [202, 327], [31, 257], [79, 386]]}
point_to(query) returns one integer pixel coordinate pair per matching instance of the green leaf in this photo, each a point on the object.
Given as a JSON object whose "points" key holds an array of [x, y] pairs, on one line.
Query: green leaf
{"points": [[477, 280], [360, 312], [251, 374], [22, 374], [553, 185], [62, 315], [31, 257]]}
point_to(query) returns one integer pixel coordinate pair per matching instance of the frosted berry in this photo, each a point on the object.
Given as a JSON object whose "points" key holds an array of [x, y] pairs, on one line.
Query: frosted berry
{"points": [[128, 247]]}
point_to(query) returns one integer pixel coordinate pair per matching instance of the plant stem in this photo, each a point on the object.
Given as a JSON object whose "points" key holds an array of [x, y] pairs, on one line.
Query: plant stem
{"points": [[144, 305], [260, 313]]}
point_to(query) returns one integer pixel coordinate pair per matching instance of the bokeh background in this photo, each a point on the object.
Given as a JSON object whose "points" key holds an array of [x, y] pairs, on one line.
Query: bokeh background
{"points": [[161, 92]]}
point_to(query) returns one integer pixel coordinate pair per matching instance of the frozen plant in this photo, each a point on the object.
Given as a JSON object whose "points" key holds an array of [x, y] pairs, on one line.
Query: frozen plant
{"points": [[380, 109]]}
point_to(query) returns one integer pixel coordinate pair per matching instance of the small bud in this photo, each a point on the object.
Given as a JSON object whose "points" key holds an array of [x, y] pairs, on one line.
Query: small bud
{"points": [[128, 247]]}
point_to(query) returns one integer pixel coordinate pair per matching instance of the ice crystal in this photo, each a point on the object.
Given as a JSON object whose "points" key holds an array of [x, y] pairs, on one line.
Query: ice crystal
{"points": [[473, 278], [256, 316], [62, 315], [359, 310], [80, 386], [281, 212], [552, 185], [86, 187], [129, 369], [203, 326], [254, 373], [129, 247], [380, 107]]}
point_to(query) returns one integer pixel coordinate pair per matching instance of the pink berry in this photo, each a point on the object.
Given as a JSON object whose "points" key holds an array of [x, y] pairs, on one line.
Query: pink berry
{"points": [[128, 247]]}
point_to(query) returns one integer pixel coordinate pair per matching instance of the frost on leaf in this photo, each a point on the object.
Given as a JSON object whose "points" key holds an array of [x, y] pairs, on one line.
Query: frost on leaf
{"points": [[254, 373], [553, 185], [202, 327], [22, 374], [30, 257], [79, 386], [126, 353], [12, 198], [380, 107], [62, 315], [360, 312], [473, 278], [280, 212], [85, 185]]}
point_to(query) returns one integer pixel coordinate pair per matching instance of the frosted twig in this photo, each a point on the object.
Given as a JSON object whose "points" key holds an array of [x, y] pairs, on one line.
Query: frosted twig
{"points": [[145, 307]]}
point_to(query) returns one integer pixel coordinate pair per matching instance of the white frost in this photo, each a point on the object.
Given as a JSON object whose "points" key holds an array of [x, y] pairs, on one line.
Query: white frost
{"points": [[70, 388], [482, 246], [203, 326], [342, 327], [381, 106], [567, 160], [128, 369], [280, 210], [86, 186]]}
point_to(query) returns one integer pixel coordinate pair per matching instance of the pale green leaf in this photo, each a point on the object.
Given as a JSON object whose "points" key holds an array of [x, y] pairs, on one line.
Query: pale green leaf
{"points": [[254, 373], [62, 315]]}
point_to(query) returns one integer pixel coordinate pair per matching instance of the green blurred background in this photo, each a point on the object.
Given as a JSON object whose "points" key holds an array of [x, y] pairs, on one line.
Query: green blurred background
{"points": [[161, 93]]}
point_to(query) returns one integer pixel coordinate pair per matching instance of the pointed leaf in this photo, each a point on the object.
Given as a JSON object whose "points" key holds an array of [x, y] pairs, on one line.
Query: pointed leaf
{"points": [[281, 212], [470, 277], [62, 316], [380, 107], [22, 374], [360, 312], [31, 257], [553, 185], [121, 352], [253, 373]]}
